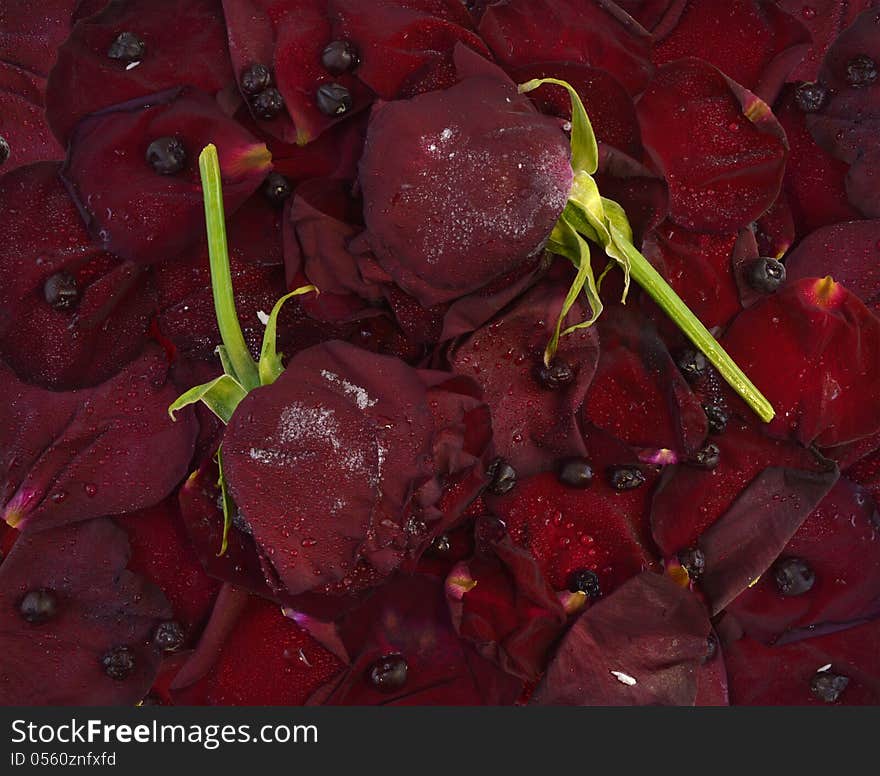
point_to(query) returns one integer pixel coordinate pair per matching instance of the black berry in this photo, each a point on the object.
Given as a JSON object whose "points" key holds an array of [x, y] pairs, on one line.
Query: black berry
{"points": [[559, 373], [5, 150], [575, 472], [277, 188], [717, 418], [861, 71], [60, 291], [388, 674], [585, 581], [766, 275], [255, 79], [166, 155], [694, 562], [440, 546], [127, 47], [38, 606], [502, 477], [828, 686], [118, 662], [333, 99], [793, 576], [268, 103], [625, 477], [339, 56], [810, 97], [693, 364], [169, 636], [707, 456]]}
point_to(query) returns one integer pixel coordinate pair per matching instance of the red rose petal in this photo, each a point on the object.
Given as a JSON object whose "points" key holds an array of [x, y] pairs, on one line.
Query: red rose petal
{"points": [[85, 79], [132, 210], [642, 645], [98, 451], [101, 606], [719, 146], [105, 329]]}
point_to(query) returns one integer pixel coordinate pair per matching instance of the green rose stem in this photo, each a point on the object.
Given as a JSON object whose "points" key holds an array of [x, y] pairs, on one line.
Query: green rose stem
{"points": [[590, 216], [235, 349], [671, 303]]}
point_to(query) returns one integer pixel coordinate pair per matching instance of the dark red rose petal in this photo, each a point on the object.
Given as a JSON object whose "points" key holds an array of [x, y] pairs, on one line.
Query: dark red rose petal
{"points": [[839, 542], [598, 34], [608, 104], [461, 186], [27, 36], [699, 267], [532, 424], [781, 675], [405, 42], [824, 19], [822, 387], [642, 645], [503, 605], [775, 230], [754, 42], [185, 44], [688, 499], [849, 252], [161, 552], [815, 182], [719, 146], [638, 394], [101, 606], [750, 535], [105, 328], [97, 451], [569, 529], [847, 126], [267, 660], [320, 458], [22, 120], [408, 618], [132, 210]]}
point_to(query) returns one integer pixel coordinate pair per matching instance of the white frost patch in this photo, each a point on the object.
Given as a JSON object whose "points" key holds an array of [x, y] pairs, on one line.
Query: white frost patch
{"points": [[624, 678], [264, 319], [360, 395], [270, 457]]}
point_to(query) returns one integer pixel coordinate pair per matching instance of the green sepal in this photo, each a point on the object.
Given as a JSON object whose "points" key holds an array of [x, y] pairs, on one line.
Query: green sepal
{"points": [[226, 500], [584, 148], [222, 395], [270, 366], [566, 241]]}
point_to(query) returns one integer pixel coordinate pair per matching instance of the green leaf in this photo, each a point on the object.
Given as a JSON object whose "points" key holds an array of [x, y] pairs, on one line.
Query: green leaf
{"points": [[228, 506], [239, 357], [573, 246], [584, 148], [270, 366], [221, 396]]}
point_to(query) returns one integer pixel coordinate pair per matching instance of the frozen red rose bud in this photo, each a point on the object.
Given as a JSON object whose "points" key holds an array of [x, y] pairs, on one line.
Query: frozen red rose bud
{"points": [[819, 385], [92, 452], [461, 185], [364, 439], [130, 209], [82, 636]]}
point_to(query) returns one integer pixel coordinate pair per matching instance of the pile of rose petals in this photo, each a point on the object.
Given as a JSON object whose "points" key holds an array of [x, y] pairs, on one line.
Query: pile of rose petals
{"points": [[422, 511]]}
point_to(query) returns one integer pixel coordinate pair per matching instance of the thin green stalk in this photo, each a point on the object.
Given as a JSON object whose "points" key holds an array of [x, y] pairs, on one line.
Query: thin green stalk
{"points": [[670, 302], [221, 278]]}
